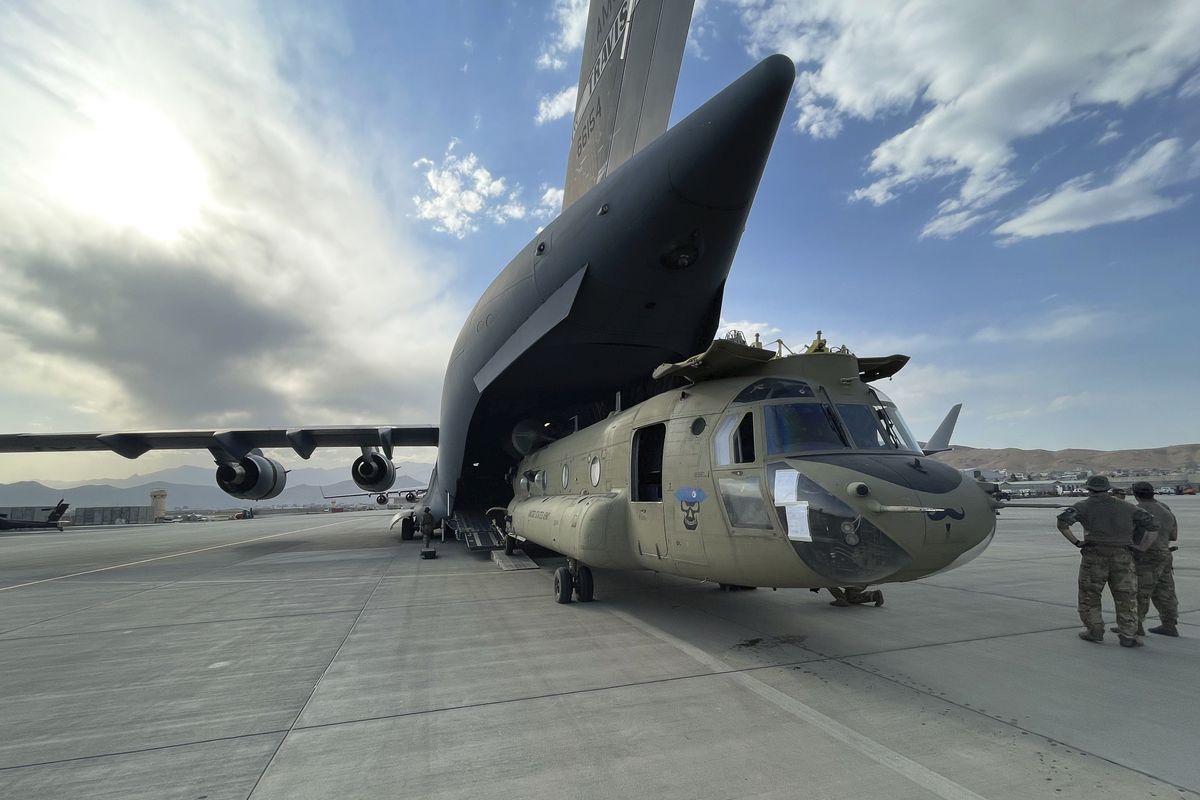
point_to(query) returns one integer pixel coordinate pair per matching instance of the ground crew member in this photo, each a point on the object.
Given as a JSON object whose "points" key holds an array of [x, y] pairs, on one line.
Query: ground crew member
{"points": [[426, 526], [1111, 528], [1155, 567], [852, 595]]}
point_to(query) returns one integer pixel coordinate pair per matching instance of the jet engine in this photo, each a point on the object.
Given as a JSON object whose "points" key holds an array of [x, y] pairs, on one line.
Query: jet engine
{"points": [[255, 477], [373, 472]]}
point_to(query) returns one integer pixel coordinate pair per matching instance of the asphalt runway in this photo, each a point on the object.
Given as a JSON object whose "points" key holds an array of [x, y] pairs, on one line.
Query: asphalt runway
{"points": [[315, 656]]}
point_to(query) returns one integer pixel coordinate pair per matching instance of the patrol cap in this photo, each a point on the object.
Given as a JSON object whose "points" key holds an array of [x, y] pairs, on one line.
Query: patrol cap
{"points": [[1143, 487], [1098, 483]]}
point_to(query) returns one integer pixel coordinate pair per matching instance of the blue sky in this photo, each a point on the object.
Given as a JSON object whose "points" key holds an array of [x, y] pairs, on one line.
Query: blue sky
{"points": [[239, 214]]}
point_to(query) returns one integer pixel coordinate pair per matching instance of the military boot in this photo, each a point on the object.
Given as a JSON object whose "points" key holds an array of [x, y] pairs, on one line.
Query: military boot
{"points": [[1166, 629], [1132, 642], [1092, 636], [1140, 631]]}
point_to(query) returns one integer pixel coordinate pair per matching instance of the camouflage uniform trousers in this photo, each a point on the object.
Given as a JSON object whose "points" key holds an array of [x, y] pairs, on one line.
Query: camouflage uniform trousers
{"points": [[1156, 581], [1112, 565]]}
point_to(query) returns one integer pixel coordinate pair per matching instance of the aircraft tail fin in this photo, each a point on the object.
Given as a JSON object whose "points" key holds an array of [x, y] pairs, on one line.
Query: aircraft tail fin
{"points": [[940, 441], [631, 57], [58, 511]]}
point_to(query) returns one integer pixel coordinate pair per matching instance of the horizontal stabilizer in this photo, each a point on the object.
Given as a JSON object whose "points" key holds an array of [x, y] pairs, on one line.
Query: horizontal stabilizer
{"points": [[940, 441]]}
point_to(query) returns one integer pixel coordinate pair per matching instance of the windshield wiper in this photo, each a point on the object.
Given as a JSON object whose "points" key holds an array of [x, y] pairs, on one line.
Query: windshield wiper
{"points": [[833, 421]]}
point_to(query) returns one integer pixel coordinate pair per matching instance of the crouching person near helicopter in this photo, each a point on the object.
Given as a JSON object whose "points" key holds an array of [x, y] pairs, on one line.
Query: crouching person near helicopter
{"points": [[853, 596]]}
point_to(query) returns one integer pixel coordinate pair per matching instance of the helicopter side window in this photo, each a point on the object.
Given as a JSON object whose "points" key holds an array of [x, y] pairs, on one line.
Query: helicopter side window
{"points": [[744, 502], [734, 440], [801, 427]]}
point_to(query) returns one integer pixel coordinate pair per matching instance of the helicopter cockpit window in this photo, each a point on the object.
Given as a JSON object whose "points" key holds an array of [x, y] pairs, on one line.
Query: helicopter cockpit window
{"points": [[773, 389], [867, 427], [878, 426], [892, 414], [802, 427], [734, 440]]}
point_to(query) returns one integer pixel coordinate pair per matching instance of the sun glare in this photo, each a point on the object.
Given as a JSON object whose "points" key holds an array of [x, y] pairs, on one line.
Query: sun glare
{"points": [[133, 168]]}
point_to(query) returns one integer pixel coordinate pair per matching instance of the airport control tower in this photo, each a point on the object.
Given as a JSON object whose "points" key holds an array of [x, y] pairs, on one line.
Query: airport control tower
{"points": [[158, 504]]}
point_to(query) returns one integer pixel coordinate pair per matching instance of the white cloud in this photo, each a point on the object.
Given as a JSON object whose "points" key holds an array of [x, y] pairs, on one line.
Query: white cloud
{"points": [[570, 17], [550, 203], [1063, 402], [460, 191], [702, 27], [1191, 87], [1112, 132], [556, 106], [1053, 327], [972, 79], [1135, 192], [253, 291]]}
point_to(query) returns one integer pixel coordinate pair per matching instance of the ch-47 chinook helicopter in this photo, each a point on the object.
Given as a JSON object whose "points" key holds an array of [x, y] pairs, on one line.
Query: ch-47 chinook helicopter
{"points": [[764, 470]]}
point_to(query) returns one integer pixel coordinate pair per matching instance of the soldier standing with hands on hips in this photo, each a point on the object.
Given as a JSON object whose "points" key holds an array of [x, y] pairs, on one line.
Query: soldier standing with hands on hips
{"points": [[1112, 529], [1155, 571]]}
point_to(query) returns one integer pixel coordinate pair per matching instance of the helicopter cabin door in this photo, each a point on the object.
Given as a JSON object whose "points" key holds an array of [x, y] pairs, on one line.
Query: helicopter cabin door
{"points": [[646, 489]]}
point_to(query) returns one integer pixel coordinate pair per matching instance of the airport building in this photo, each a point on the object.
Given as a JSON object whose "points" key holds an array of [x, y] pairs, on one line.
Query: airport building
{"points": [[113, 515], [27, 513]]}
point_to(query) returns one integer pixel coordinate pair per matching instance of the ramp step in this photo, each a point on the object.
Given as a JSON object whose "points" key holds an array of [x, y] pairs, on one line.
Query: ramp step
{"points": [[517, 560], [477, 531]]}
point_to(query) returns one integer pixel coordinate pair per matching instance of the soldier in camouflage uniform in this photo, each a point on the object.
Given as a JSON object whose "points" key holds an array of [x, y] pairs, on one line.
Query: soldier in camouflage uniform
{"points": [[1111, 527], [1156, 575], [426, 525]]}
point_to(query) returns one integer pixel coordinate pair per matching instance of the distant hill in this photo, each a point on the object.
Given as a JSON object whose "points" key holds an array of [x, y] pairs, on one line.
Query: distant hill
{"points": [[179, 495], [1175, 457]]}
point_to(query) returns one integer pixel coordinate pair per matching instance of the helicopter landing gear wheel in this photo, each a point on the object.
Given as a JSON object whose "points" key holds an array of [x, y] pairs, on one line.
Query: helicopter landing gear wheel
{"points": [[563, 584], [585, 587], [510, 545]]}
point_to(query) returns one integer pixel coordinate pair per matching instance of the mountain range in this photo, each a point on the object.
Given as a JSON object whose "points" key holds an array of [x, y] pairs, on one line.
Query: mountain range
{"points": [[203, 476], [182, 495], [1175, 457]]}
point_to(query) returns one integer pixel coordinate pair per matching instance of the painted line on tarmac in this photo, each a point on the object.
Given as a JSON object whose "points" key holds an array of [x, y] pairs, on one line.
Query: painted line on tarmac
{"points": [[171, 555], [924, 777]]}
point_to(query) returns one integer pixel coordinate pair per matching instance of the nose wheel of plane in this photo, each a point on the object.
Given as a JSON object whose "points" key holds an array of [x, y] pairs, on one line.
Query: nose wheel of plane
{"points": [[576, 580]]}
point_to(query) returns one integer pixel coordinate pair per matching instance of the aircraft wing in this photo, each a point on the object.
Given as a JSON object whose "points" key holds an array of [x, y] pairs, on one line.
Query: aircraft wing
{"points": [[622, 104], [235, 442]]}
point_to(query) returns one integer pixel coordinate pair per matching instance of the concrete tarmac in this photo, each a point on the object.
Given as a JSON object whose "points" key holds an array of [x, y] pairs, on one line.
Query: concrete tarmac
{"points": [[296, 657]]}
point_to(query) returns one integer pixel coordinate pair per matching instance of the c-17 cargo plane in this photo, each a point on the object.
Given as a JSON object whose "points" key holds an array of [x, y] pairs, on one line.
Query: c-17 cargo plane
{"points": [[587, 408]]}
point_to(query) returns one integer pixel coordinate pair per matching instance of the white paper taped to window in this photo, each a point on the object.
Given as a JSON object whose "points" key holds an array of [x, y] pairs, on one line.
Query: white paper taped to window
{"points": [[797, 522], [785, 486]]}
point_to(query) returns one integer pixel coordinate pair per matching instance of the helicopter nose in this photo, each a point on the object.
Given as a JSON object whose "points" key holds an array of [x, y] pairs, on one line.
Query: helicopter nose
{"points": [[722, 147]]}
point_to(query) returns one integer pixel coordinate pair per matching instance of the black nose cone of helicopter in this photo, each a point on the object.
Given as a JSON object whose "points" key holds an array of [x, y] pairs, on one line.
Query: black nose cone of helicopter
{"points": [[721, 148]]}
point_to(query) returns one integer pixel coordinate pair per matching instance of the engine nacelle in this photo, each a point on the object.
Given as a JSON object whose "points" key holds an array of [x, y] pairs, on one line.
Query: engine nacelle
{"points": [[255, 477], [373, 472]]}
